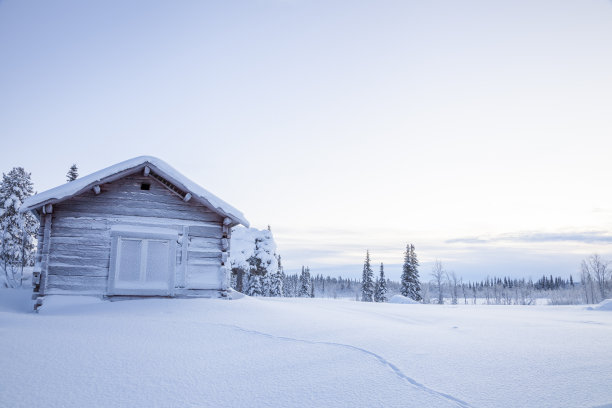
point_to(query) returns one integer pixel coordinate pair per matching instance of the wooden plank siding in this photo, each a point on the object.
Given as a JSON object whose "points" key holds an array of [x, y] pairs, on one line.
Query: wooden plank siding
{"points": [[80, 238]]}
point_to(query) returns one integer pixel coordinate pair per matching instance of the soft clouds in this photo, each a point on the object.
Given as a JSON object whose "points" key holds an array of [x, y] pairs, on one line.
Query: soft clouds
{"points": [[527, 237], [518, 254]]}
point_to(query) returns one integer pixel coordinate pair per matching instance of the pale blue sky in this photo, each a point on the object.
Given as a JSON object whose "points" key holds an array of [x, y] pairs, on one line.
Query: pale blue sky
{"points": [[478, 130]]}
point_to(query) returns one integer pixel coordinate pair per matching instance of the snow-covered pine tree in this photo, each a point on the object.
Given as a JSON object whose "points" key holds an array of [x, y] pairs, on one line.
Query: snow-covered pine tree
{"points": [[17, 231], [380, 289], [262, 263], [255, 286], [73, 173], [411, 286], [276, 283], [304, 290], [367, 283], [416, 282], [312, 288], [290, 285], [405, 278], [265, 285]]}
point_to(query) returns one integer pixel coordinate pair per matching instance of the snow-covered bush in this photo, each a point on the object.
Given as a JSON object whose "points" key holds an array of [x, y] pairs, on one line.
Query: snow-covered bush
{"points": [[402, 300], [253, 260]]}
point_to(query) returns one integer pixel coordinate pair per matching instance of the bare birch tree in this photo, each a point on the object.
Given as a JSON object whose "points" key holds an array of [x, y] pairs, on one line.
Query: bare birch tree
{"points": [[438, 274], [595, 270]]}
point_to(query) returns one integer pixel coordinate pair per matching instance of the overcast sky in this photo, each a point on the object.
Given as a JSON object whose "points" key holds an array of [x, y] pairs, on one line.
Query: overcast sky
{"points": [[480, 131]]}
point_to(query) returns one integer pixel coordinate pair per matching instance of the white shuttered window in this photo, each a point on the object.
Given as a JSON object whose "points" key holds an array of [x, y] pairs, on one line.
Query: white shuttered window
{"points": [[142, 263]]}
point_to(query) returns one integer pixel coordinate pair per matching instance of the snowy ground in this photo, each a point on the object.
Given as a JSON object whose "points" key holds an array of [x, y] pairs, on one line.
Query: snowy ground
{"points": [[300, 353]]}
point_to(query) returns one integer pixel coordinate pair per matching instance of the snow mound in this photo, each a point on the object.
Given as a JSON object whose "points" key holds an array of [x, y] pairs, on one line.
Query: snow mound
{"points": [[234, 294], [402, 300], [603, 305]]}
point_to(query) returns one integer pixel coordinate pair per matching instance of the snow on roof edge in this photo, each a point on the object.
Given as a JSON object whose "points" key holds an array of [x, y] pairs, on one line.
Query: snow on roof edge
{"points": [[81, 184]]}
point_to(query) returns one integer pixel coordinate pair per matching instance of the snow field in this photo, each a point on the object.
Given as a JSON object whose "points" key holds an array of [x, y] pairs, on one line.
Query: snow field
{"points": [[300, 352]]}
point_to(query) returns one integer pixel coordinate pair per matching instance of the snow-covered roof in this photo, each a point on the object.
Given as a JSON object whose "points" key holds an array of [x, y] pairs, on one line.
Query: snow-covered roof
{"points": [[160, 167]]}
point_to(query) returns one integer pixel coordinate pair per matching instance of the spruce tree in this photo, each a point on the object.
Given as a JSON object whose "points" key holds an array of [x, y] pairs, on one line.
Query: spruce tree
{"points": [[17, 230], [406, 273], [304, 289], [265, 284], [416, 283], [380, 290], [73, 173], [411, 286], [367, 284], [255, 286], [276, 284]]}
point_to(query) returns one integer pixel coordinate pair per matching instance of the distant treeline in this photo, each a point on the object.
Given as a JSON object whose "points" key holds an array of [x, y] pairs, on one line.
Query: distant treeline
{"points": [[495, 290], [257, 271]]}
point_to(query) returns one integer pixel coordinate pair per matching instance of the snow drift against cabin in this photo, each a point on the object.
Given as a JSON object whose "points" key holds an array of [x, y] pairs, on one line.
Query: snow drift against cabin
{"points": [[80, 184]]}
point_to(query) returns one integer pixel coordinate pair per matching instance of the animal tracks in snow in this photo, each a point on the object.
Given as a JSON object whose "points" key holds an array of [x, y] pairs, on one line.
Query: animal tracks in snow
{"points": [[396, 370]]}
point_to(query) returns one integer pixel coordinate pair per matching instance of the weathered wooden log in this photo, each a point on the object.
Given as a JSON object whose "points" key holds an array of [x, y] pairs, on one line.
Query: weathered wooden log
{"points": [[82, 242], [204, 244], [192, 255], [205, 232], [78, 270], [129, 211], [78, 282], [72, 261]]}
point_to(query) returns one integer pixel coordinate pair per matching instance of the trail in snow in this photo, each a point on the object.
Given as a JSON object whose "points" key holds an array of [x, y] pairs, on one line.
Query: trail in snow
{"points": [[378, 357]]}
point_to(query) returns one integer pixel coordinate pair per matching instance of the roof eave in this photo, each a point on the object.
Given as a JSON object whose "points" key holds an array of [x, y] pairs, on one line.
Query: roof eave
{"points": [[132, 170]]}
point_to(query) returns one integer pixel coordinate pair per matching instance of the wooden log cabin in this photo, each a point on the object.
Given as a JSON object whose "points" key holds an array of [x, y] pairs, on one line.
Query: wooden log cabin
{"points": [[138, 228]]}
